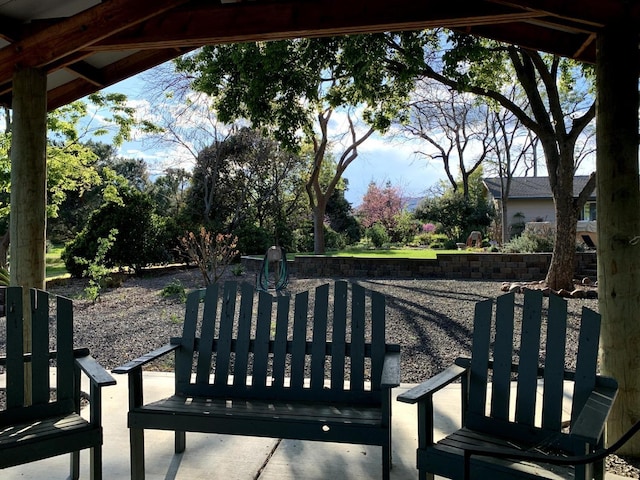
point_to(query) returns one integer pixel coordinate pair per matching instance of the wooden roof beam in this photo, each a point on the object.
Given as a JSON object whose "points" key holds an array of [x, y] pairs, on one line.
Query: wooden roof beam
{"points": [[109, 75], [213, 22], [69, 35], [590, 12], [88, 72], [578, 47]]}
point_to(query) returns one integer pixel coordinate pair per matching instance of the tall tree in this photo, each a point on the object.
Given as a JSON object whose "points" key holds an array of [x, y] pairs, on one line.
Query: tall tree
{"points": [[381, 205], [169, 191], [245, 178], [514, 149], [71, 160], [560, 107], [455, 126], [296, 88]]}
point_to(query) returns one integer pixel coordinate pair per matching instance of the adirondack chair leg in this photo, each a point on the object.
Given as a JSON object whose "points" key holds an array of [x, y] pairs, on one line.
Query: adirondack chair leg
{"points": [[75, 465], [180, 442], [136, 438], [425, 475], [95, 463], [598, 470]]}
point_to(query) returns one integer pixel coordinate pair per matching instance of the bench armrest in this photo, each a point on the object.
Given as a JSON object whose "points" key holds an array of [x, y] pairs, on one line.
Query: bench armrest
{"points": [[590, 422], [391, 370], [96, 372], [146, 358], [431, 386]]}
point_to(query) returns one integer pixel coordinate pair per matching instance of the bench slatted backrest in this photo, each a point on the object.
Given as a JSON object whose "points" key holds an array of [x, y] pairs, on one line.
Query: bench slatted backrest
{"points": [[286, 352], [493, 365], [18, 405]]}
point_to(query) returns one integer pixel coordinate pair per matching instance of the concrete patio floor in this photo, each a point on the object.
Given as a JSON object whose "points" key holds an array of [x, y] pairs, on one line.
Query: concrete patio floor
{"points": [[210, 456]]}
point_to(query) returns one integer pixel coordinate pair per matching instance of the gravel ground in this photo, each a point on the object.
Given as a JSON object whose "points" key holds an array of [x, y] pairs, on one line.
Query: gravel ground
{"points": [[430, 319]]}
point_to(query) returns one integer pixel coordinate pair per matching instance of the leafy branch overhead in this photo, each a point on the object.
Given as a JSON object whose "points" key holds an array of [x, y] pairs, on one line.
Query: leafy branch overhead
{"points": [[281, 86]]}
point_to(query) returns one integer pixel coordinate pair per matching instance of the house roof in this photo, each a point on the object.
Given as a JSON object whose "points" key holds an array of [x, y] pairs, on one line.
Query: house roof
{"points": [[86, 45], [532, 187]]}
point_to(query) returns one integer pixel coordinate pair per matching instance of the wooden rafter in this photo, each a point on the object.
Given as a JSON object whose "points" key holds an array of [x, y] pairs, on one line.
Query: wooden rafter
{"points": [[125, 68], [67, 36]]}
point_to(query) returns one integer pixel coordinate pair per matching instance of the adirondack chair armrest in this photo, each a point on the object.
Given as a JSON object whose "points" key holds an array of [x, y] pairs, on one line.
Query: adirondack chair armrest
{"points": [[96, 372], [77, 352], [431, 386], [391, 370], [590, 422], [514, 454], [146, 358]]}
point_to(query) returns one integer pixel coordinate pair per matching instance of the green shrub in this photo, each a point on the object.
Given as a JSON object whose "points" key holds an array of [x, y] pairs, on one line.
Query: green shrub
{"points": [[404, 228], [237, 269], [450, 245], [95, 270], [531, 242], [175, 290], [430, 238], [140, 239], [252, 240], [378, 235], [334, 240]]}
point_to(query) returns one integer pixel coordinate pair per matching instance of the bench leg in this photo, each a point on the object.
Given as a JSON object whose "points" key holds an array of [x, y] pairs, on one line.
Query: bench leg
{"points": [[95, 463], [75, 465], [136, 439], [180, 442], [386, 462]]}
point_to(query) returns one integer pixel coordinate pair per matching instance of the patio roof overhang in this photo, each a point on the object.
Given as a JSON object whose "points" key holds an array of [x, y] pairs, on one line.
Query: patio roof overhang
{"points": [[86, 45]]}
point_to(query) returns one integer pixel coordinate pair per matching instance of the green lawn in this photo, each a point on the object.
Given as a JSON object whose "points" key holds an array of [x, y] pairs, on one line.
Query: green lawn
{"points": [[54, 265], [391, 253]]}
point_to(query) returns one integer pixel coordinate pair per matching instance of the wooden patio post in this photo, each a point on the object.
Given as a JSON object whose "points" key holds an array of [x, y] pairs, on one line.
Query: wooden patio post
{"points": [[28, 189], [618, 221]]}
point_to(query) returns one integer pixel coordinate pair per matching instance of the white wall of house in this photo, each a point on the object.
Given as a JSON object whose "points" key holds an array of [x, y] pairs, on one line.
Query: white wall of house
{"points": [[532, 209]]}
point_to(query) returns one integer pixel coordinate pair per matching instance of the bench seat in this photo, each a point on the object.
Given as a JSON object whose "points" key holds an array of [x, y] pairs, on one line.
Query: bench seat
{"points": [[334, 422]]}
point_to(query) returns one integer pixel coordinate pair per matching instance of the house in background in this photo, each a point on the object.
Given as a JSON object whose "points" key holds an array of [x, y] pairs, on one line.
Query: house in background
{"points": [[530, 200]]}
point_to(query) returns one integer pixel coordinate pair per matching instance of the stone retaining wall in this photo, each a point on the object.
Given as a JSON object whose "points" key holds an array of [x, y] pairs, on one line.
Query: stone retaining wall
{"points": [[481, 266]]}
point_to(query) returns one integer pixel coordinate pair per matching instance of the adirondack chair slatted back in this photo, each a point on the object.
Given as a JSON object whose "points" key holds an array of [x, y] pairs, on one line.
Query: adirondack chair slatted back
{"points": [[246, 352], [39, 357], [493, 365]]}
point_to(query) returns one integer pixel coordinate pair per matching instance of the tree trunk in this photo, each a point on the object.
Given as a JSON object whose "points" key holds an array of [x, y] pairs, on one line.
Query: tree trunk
{"points": [[28, 190], [562, 267], [318, 225], [619, 222], [4, 249], [504, 211]]}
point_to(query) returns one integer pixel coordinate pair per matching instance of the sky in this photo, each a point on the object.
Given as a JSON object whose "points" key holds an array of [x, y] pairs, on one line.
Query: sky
{"points": [[380, 159]]}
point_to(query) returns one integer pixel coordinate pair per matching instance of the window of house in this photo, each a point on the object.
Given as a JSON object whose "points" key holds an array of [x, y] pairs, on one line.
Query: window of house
{"points": [[588, 212]]}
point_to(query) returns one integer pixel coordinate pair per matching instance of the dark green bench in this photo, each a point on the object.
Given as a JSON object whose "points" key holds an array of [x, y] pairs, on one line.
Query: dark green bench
{"points": [[520, 435], [245, 372], [45, 427]]}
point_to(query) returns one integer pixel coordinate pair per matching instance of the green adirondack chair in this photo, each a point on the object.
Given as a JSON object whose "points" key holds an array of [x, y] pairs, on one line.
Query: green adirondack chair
{"points": [[534, 422], [46, 426]]}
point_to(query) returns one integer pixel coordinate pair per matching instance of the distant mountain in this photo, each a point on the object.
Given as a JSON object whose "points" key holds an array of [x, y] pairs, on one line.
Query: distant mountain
{"points": [[412, 203]]}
